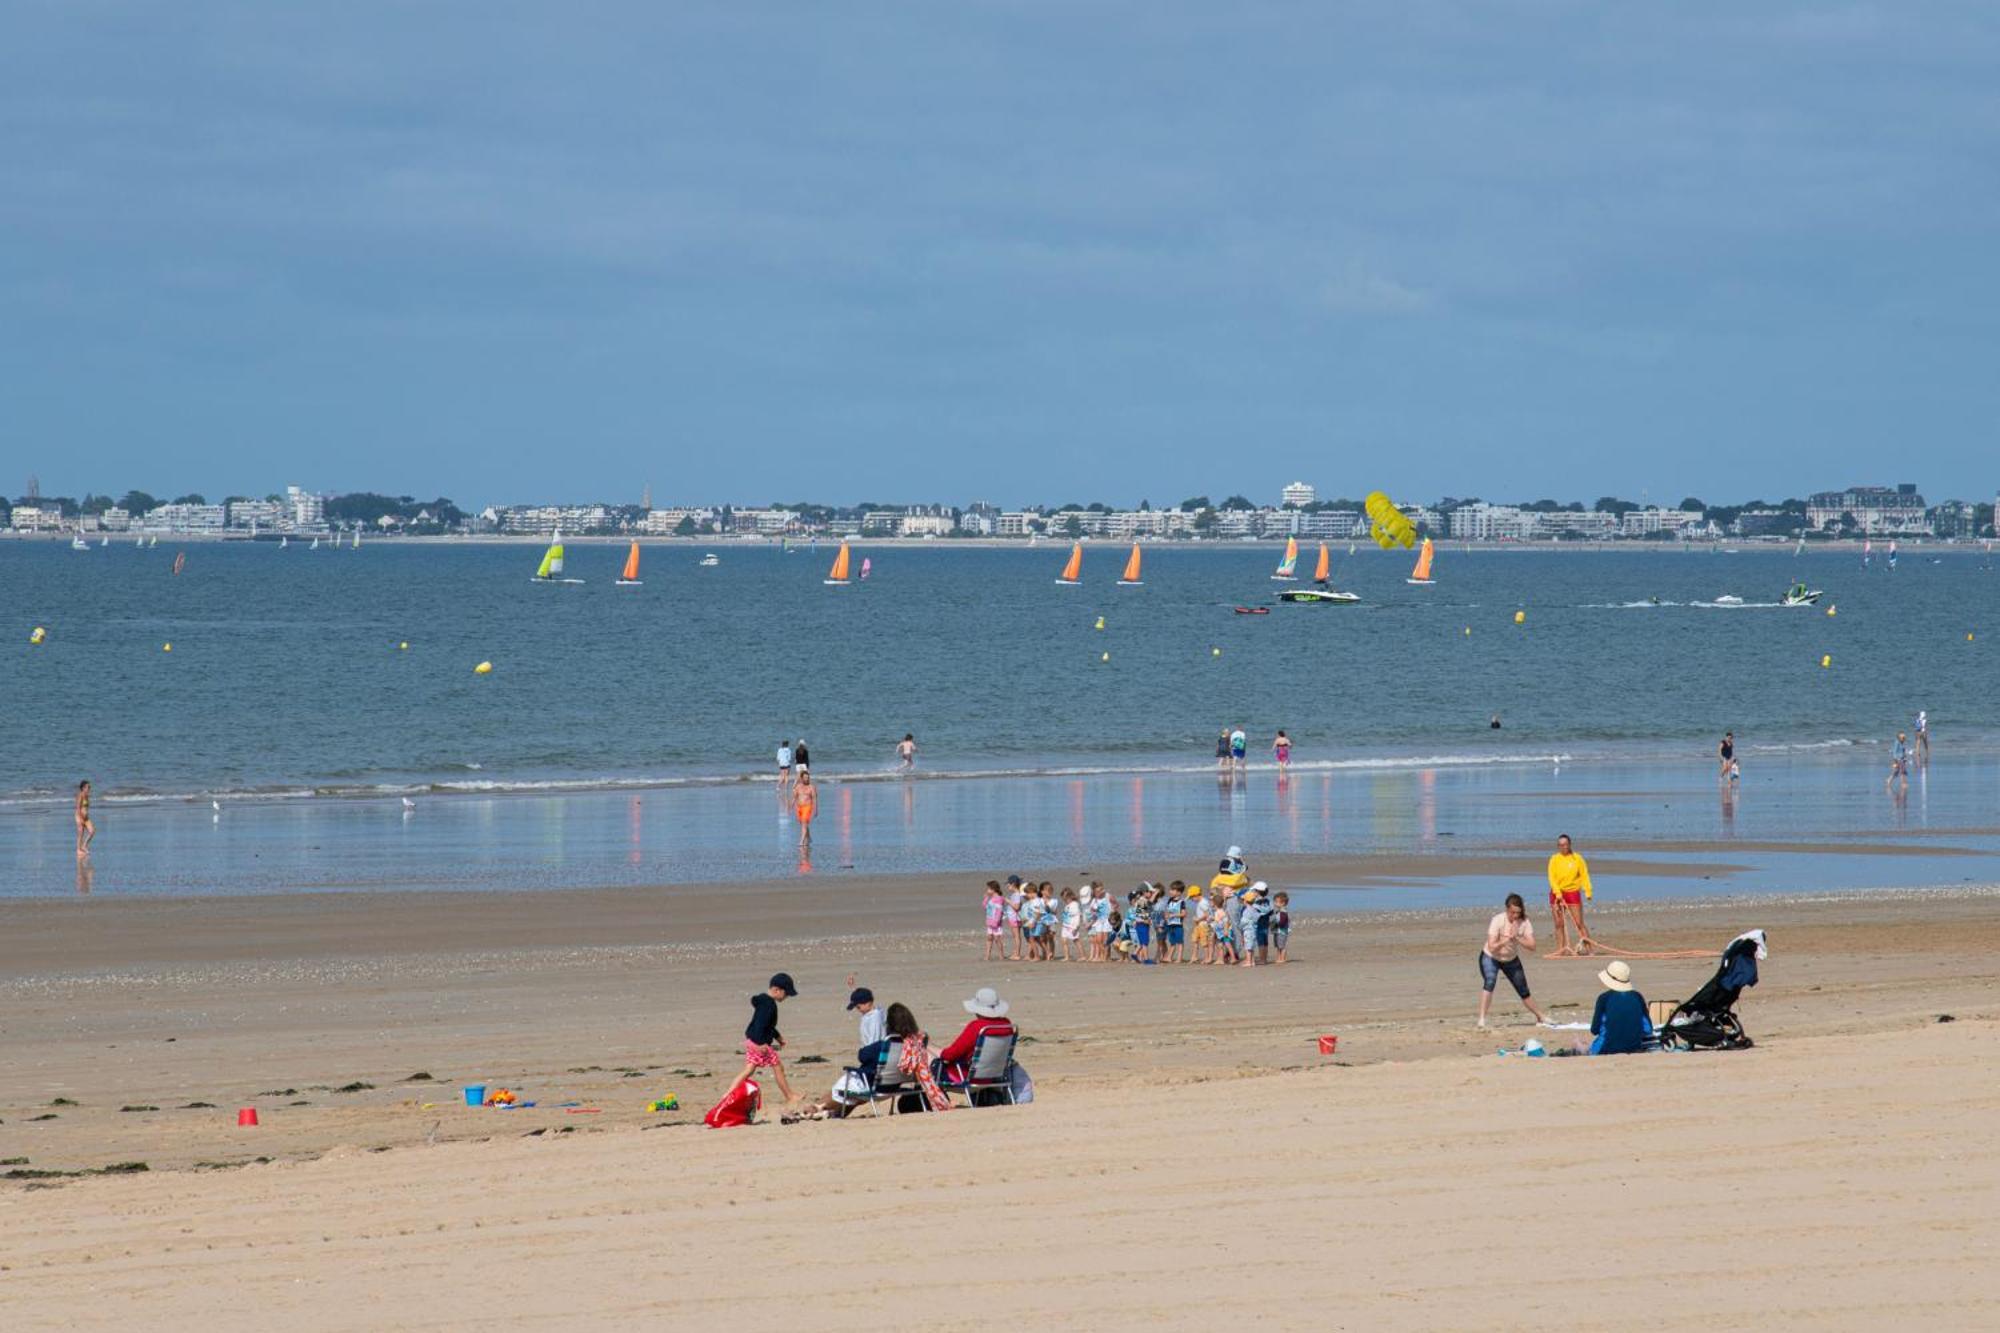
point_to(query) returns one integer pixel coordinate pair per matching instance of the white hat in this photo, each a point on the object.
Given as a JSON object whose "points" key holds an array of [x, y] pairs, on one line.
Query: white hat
{"points": [[1616, 975], [986, 1003], [1234, 853]]}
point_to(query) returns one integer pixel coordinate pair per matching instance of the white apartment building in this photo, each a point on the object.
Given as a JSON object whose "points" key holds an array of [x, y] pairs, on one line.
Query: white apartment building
{"points": [[1326, 524], [267, 514], [1298, 495], [1589, 525], [184, 518], [36, 518], [308, 510], [541, 520], [1482, 522], [662, 522], [1015, 523], [763, 522], [1645, 522], [115, 519]]}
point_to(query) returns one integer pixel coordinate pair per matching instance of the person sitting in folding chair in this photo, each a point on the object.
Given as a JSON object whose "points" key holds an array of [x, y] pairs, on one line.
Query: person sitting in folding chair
{"points": [[989, 1027]]}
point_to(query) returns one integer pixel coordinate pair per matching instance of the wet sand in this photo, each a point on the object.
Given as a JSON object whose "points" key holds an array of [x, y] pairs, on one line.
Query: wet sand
{"points": [[1410, 1181]]}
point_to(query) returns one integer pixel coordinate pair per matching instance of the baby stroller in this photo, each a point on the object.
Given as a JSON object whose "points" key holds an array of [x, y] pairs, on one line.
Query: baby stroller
{"points": [[1707, 1021]]}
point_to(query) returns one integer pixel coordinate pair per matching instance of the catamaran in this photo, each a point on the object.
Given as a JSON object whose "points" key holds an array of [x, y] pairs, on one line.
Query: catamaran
{"points": [[1130, 578], [630, 577], [1072, 570], [1421, 575], [551, 568], [837, 576], [1284, 572]]}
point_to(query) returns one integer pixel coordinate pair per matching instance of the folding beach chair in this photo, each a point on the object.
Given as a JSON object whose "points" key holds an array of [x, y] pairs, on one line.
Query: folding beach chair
{"points": [[989, 1071], [891, 1083]]}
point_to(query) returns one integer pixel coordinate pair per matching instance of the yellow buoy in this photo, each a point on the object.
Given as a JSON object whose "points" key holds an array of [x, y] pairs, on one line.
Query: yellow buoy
{"points": [[1826, 661], [1215, 652], [41, 634], [483, 669], [166, 647], [1105, 658], [403, 647], [1468, 631], [1520, 617], [1100, 622], [1968, 636], [1833, 610]]}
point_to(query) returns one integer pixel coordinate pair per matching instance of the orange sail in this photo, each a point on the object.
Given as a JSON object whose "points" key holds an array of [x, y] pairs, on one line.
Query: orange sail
{"points": [[1073, 569], [1422, 573], [1323, 570], [1131, 575], [838, 574], [631, 574]]}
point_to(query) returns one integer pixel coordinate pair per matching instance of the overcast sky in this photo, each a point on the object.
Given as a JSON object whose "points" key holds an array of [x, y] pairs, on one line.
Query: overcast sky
{"points": [[1018, 252]]}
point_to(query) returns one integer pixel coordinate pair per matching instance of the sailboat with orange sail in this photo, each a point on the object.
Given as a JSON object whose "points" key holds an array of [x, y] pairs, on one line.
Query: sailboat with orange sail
{"points": [[630, 577], [1072, 570], [1289, 563], [1421, 575], [837, 576], [1130, 578], [1324, 569]]}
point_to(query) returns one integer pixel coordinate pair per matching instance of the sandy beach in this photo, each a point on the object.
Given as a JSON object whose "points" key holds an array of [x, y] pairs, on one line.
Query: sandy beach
{"points": [[1840, 1171]]}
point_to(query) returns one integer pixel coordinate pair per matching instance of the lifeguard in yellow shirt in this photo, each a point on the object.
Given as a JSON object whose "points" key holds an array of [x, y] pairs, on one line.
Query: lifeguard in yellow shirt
{"points": [[1569, 887]]}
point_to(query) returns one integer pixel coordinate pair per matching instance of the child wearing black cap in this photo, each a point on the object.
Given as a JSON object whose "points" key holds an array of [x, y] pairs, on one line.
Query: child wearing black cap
{"points": [[762, 1041]]}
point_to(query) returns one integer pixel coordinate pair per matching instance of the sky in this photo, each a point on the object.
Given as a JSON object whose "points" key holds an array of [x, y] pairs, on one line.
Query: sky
{"points": [[1018, 252]]}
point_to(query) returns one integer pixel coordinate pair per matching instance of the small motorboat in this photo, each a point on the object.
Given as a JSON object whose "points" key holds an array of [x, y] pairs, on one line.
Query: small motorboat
{"points": [[1726, 599], [1253, 610], [1325, 595], [710, 561], [1800, 595]]}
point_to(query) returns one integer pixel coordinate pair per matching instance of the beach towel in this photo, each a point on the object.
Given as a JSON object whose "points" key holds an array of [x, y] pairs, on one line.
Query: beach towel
{"points": [[916, 1061]]}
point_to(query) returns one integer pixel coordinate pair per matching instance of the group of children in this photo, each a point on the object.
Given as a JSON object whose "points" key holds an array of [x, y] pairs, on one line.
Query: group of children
{"points": [[1234, 922]]}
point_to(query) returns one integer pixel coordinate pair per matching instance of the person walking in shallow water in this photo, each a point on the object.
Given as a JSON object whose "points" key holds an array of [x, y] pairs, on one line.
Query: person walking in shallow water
{"points": [[906, 751], [805, 804], [85, 829]]}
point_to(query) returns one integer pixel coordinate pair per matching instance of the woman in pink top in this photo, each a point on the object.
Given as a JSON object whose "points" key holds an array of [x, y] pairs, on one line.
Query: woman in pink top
{"points": [[1506, 935]]}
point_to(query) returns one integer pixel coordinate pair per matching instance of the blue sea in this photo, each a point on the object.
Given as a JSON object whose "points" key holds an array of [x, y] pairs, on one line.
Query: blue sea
{"points": [[627, 734]]}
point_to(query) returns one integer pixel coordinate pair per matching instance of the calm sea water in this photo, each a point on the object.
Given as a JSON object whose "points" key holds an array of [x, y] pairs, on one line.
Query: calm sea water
{"points": [[625, 735], [286, 676]]}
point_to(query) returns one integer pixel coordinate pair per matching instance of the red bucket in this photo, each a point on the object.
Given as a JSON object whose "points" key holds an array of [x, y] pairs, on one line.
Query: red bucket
{"points": [[1328, 1044], [247, 1118]]}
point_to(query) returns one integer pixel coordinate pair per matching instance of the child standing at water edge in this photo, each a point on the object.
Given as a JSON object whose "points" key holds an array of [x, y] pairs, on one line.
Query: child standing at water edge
{"points": [[1239, 748], [996, 916], [1222, 751], [784, 766], [1281, 924], [906, 751], [1281, 749], [762, 1041], [1016, 895]]}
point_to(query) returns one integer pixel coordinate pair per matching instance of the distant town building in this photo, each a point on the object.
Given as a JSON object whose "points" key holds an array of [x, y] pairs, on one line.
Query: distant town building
{"points": [[308, 510], [665, 522], [1873, 510], [1568, 524], [184, 518], [36, 518], [1957, 519], [1482, 522], [1652, 522], [115, 519], [1298, 495], [268, 515]]}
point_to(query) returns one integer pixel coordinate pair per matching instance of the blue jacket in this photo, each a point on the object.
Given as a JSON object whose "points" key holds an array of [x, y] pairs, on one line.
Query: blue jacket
{"points": [[1620, 1023]]}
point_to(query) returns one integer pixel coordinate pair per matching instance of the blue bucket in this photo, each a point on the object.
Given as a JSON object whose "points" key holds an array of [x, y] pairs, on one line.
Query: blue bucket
{"points": [[475, 1094]]}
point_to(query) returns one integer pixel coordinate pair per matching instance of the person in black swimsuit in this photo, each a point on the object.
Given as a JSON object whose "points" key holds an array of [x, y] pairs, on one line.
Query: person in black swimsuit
{"points": [[1726, 751]]}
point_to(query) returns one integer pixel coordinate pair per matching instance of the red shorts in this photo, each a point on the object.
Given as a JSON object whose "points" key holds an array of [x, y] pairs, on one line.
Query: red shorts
{"points": [[760, 1057], [1574, 897]]}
